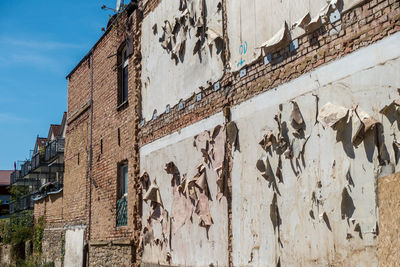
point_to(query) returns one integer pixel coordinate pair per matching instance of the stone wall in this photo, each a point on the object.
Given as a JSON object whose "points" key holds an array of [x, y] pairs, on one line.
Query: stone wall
{"points": [[115, 253], [53, 245]]}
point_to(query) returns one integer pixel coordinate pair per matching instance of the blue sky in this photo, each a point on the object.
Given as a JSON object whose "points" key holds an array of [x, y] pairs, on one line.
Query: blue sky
{"points": [[40, 43]]}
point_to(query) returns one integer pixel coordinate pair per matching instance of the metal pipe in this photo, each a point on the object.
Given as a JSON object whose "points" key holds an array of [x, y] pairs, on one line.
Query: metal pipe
{"points": [[90, 155]]}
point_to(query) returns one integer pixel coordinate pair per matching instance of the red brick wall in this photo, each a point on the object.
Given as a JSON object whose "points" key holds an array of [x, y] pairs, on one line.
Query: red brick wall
{"points": [[76, 170], [51, 207], [107, 119]]}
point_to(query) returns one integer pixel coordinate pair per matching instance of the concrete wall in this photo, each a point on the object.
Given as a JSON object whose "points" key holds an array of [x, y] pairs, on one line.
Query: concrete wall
{"points": [[252, 23], [326, 200], [74, 239], [389, 220], [191, 69], [177, 237]]}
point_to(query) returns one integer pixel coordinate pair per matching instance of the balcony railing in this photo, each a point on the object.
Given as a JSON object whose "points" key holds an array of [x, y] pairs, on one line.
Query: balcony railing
{"points": [[15, 175], [54, 148], [37, 160], [122, 211], [22, 203], [33, 183], [26, 167]]}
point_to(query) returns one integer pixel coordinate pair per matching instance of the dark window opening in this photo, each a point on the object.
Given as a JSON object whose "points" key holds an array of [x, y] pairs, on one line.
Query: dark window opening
{"points": [[119, 137], [101, 146], [78, 158], [123, 74]]}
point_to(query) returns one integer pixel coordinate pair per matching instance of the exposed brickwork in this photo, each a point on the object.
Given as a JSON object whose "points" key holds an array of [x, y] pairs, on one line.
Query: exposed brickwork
{"points": [[75, 193], [90, 192], [361, 27], [114, 139], [51, 208]]}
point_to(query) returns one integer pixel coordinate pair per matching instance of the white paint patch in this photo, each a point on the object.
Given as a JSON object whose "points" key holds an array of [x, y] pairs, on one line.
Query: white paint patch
{"points": [[362, 59], [74, 247], [184, 133], [253, 22], [368, 78], [191, 244], [163, 81]]}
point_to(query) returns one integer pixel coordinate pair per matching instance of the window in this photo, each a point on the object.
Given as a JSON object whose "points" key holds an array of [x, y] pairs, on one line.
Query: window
{"points": [[122, 203], [123, 74], [123, 180]]}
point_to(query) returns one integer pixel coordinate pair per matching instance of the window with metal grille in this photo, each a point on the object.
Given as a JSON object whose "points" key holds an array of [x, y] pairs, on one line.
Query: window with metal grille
{"points": [[122, 200]]}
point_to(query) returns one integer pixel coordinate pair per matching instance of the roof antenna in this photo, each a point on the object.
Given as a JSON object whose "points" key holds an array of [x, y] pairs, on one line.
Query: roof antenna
{"points": [[120, 5]]}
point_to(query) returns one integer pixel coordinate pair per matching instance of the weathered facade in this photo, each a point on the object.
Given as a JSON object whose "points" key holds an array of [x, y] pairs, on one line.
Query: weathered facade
{"points": [[234, 133]]}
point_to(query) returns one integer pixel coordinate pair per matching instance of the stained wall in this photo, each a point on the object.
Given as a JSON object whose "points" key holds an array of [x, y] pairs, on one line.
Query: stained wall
{"points": [[252, 23], [180, 52], [316, 205], [180, 236]]}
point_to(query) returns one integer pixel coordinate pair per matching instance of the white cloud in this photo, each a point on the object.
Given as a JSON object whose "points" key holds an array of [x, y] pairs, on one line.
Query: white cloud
{"points": [[9, 118], [39, 44]]}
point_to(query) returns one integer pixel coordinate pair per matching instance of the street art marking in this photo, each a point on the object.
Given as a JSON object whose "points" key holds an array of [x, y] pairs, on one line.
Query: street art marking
{"points": [[242, 52]]}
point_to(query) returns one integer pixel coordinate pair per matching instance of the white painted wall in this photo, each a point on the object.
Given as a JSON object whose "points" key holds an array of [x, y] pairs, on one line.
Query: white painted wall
{"points": [[368, 78], [253, 22], [191, 245], [74, 247], [163, 81]]}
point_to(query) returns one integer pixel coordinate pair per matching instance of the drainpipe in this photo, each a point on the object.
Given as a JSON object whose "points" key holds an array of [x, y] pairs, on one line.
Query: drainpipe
{"points": [[90, 154]]}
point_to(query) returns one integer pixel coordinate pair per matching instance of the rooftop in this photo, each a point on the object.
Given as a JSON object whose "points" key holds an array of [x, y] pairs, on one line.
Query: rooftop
{"points": [[5, 177]]}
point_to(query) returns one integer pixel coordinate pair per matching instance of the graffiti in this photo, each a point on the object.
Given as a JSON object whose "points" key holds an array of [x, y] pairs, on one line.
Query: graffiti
{"points": [[242, 52]]}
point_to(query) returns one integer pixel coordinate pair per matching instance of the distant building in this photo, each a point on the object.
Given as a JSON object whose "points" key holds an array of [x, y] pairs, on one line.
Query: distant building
{"points": [[42, 174], [4, 192]]}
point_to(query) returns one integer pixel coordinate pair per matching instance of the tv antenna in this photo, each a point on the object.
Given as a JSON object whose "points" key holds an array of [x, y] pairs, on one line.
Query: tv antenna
{"points": [[120, 5]]}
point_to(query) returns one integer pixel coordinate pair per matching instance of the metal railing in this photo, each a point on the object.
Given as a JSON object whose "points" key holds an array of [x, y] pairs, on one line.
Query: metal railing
{"points": [[37, 160], [54, 148], [25, 181], [22, 203], [14, 176], [26, 167], [122, 211]]}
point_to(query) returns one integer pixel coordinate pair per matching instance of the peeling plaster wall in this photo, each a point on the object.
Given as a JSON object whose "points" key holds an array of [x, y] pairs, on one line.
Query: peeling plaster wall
{"points": [[166, 81], [190, 245], [313, 185], [252, 23]]}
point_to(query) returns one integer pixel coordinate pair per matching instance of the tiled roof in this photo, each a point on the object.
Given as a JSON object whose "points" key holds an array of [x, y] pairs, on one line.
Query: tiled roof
{"points": [[56, 130], [5, 177]]}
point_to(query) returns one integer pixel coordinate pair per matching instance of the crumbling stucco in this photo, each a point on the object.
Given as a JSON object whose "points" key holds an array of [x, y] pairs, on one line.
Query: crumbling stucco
{"points": [[188, 183], [318, 208], [182, 38], [256, 23]]}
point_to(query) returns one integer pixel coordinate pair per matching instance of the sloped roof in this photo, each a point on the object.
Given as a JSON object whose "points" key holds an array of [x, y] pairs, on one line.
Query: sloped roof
{"points": [[56, 130], [5, 177], [40, 142]]}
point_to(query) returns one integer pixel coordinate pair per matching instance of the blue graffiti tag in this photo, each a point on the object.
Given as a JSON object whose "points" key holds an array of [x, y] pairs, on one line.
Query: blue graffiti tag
{"points": [[242, 52]]}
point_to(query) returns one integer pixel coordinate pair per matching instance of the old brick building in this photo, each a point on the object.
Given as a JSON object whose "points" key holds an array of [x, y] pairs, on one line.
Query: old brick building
{"points": [[234, 133]]}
